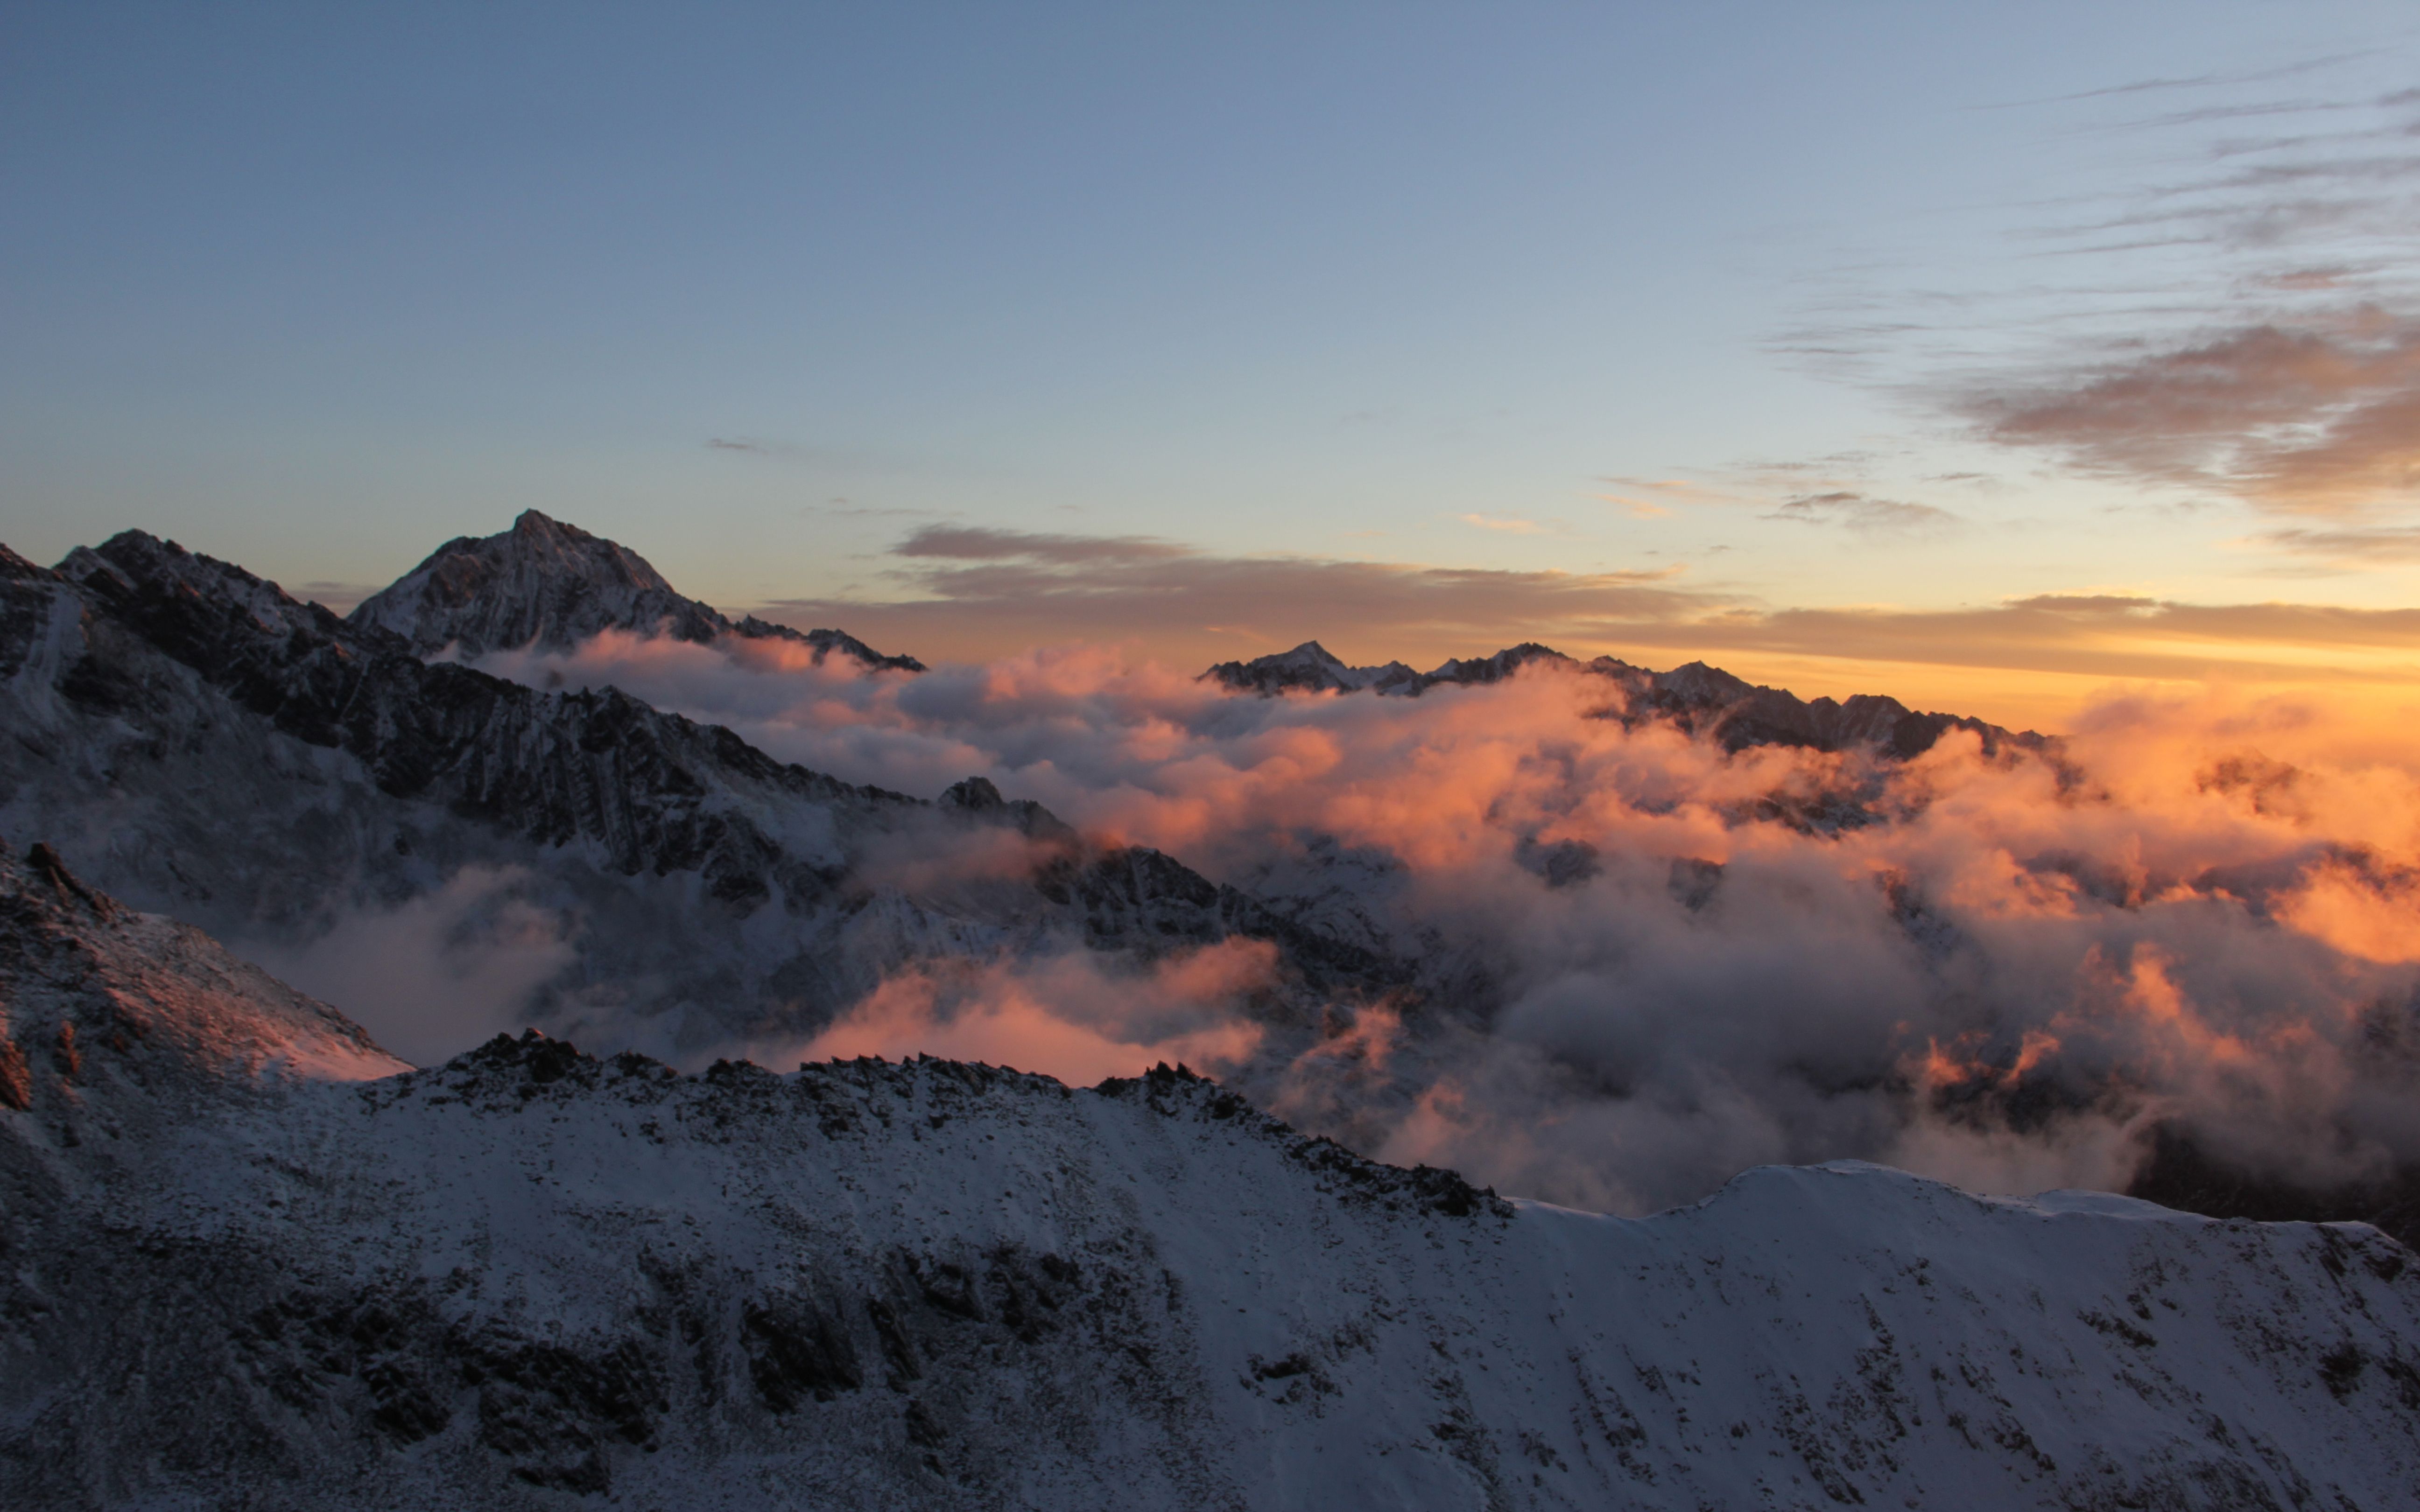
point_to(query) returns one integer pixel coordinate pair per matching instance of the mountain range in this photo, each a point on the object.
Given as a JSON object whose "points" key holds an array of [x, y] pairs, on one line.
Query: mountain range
{"points": [[254, 1259], [201, 743], [1694, 696]]}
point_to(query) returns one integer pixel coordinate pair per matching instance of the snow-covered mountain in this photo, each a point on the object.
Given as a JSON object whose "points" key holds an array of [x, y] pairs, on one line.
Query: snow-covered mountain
{"points": [[205, 745], [1696, 697], [1309, 668], [445, 851], [248, 1267], [549, 585]]}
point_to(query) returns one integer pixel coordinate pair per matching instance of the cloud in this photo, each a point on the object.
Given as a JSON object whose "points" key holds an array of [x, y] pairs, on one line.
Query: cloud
{"points": [[1864, 515], [2352, 547], [1078, 1017], [2239, 322], [2309, 419], [970, 543], [437, 972], [2005, 974], [972, 593], [972, 600], [729, 444], [1509, 526]]}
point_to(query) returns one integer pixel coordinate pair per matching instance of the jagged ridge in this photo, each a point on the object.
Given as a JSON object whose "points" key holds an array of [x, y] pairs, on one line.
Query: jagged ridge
{"points": [[146, 665], [1699, 698]]}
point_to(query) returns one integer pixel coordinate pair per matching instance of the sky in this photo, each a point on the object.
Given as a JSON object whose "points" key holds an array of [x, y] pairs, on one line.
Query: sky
{"points": [[1996, 357]]}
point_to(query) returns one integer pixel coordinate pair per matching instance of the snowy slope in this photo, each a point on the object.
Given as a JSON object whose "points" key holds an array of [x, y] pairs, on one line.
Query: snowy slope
{"points": [[198, 741], [551, 585], [528, 1278]]}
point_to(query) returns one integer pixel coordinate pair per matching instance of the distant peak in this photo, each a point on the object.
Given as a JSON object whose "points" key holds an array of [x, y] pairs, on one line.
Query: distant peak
{"points": [[547, 584], [1699, 698]]}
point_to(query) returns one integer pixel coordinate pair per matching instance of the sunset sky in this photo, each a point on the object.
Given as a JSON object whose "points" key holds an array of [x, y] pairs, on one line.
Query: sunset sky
{"points": [[1990, 356]]}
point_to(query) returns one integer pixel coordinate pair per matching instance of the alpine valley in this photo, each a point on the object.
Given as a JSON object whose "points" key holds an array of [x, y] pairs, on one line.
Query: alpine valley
{"points": [[521, 1220]]}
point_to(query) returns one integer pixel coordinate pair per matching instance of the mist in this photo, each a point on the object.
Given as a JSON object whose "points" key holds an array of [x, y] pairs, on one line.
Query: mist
{"points": [[1646, 962]]}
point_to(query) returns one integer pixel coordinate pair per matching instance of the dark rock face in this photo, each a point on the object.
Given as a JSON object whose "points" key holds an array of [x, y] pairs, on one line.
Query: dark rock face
{"points": [[549, 585], [209, 744], [552, 767], [2179, 1174], [1136, 892]]}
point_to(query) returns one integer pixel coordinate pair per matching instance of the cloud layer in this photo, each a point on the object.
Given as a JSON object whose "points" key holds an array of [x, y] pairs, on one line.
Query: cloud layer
{"points": [[1645, 963], [972, 595]]}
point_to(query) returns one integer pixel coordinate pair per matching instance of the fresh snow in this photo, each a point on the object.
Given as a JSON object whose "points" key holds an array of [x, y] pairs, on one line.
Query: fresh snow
{"points": [[527, 1276]]}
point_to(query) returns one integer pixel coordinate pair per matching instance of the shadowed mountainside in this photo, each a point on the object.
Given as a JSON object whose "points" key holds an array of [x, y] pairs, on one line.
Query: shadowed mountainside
{"points": [[245, 1268]]}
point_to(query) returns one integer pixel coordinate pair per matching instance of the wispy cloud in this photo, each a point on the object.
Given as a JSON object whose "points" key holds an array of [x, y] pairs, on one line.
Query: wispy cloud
{"points": [[2400, 542], [1509, 526], [2318, 418], [975, 543], [2241, 320], [976, 600], [972, 593], [1866, 515]]}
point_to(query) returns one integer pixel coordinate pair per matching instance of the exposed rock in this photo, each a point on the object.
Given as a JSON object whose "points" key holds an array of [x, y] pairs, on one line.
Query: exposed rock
{"points": [[526, 1275], [549, 585], [1701, 698], [201, 741]]}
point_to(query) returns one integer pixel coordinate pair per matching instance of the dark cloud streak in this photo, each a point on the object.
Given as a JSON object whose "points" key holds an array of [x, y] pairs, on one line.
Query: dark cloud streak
{"points": [[1183, 605], [971, 543]]}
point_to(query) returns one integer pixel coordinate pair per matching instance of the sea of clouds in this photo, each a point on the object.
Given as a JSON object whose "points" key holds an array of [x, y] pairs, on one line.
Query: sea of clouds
{"points": [[1675, 961]]}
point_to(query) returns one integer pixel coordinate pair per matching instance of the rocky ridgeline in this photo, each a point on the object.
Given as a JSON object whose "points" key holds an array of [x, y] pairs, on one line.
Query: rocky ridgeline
{"points": [[1698, 698], [529, 1278], [203, 741]]}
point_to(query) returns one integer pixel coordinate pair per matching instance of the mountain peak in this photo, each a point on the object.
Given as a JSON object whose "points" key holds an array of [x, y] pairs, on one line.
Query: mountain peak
{"points": [[1308, 667], [547, 584]]}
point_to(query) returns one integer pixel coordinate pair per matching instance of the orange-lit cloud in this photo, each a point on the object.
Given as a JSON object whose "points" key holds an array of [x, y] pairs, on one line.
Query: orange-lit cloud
{"points": [[1072, 1016], [1647, 961]]}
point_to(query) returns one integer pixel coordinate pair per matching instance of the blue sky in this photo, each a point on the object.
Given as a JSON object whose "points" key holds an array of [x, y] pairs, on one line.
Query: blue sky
{"points": [[1735, 312]]}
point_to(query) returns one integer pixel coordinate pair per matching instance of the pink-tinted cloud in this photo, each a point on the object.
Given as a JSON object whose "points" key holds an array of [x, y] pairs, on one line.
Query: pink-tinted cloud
{"points": [[1644, 962], [1072, 1016], [2316, 418]]}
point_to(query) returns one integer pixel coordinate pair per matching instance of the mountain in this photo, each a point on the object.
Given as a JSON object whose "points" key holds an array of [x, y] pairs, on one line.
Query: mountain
{"points": [[1696, 697], [446, 853], [207, 746], [245, 1268], [1308, 668], [551, 585]]}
